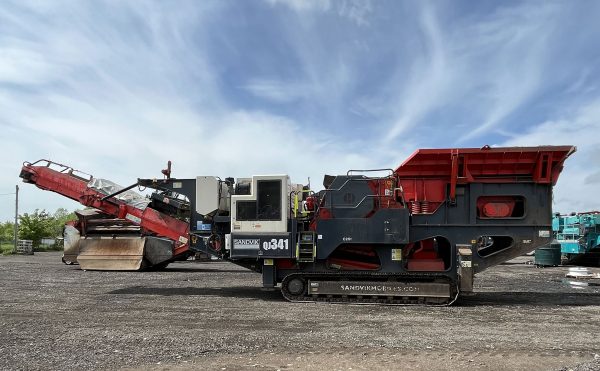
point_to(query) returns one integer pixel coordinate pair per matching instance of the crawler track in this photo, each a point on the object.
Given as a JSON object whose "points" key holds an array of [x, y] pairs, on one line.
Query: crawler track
{"points": [[383, 289]]}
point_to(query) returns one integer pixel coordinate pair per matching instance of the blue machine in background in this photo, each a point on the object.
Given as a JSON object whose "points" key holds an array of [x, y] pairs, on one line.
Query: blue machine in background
{"points": [[579, 237]]}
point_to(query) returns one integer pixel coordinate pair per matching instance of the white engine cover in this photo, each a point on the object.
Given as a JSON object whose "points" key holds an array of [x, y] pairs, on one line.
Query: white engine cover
{"points": [[262, 226]]}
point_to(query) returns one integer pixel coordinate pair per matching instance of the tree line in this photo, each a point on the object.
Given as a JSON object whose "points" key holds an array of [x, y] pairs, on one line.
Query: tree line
{"points": [[37, 225]]}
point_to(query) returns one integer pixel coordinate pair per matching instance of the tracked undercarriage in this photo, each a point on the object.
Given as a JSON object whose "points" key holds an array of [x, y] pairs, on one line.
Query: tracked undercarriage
{"points": [[369, 289]]}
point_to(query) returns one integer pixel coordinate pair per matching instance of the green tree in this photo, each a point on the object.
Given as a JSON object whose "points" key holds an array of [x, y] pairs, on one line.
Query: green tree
{"points": [[7, 231], [42, 224], [35, 226], [60, 217]]}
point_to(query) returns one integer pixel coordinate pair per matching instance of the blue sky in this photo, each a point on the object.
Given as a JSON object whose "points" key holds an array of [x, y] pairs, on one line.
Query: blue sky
{"points": [[235, 88]]}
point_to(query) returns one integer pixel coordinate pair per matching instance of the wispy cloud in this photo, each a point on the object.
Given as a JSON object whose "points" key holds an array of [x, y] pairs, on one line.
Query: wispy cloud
{"points": [[304, 87], [304, 5], [479, 70], [118, 90], [577, 188], [517, 40], [357, 11], [429, 78], [278, 91]]}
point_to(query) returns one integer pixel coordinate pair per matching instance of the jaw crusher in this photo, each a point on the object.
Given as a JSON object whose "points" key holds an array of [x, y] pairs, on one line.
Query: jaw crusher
{"points": [[416, 235]]}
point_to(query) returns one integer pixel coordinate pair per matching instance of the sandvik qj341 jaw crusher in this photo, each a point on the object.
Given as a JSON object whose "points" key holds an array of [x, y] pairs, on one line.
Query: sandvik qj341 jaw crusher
{"points": [[416, 235]]}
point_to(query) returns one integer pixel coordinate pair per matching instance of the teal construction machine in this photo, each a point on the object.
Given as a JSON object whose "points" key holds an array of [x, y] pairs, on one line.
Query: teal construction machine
{"points": [[579, 237]]}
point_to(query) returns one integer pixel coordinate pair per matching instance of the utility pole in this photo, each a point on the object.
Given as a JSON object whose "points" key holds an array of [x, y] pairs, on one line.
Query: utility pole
{"points": [[16, 216]]}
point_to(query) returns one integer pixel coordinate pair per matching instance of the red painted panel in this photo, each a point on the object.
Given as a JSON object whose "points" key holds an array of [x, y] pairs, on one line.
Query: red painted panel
{"points": [[496, 206], [497, 210], [505, 164], [428, 265], [428, 173]]}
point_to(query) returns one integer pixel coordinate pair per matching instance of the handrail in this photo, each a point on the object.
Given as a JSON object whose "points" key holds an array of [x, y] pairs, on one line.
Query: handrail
{"points": [[64, 169], [364, 179], [369, 170]]}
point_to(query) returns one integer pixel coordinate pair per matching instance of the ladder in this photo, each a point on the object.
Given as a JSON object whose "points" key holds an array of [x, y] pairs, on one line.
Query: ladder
{"points": [[306, 249]]}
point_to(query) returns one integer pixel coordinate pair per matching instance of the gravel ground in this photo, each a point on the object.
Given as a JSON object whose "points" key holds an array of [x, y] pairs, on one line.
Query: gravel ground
{"points": [[215, 316]]}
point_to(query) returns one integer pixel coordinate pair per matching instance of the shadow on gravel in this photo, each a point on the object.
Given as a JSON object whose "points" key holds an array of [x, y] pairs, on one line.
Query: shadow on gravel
{"points": [[200, 270], [480, 299], [530, 298], [227, 292]]}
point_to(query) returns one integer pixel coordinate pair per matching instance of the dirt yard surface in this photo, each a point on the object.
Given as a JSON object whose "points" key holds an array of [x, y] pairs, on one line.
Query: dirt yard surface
{"points": [[215, 316]]}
